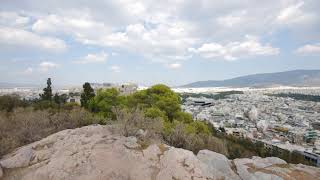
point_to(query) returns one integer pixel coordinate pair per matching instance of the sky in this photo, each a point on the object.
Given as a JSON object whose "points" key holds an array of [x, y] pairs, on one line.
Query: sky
{"points": [[147, 41]]}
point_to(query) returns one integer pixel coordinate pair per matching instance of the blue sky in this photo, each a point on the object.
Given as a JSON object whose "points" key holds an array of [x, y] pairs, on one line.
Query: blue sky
{"points": [[147, 42]]}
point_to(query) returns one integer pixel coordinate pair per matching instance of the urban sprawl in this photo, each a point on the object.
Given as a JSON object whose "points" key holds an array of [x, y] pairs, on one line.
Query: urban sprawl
{"points": [[258, 114]]}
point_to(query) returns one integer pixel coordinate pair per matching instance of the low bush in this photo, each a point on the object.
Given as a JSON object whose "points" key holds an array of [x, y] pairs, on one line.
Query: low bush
{"points": [[26, 125], [193, 136], [10, 102], [130, 122]]}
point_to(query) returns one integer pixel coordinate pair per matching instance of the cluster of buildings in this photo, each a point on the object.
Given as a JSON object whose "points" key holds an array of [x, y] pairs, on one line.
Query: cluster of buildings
{"points": [[125, 88], [29, 93], [283, 122], [73, 93], [286, 123]]}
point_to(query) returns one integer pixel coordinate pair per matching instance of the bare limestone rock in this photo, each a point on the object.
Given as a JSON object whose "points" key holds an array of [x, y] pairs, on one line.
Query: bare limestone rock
{"points": [[1, 172], [141, 133], [20, 158], [181, 164], [217, 164], [94, 152], [273, 168], [131, 143], [265, 162]]}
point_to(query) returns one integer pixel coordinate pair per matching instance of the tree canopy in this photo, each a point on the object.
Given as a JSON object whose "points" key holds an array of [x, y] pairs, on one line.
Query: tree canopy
{"points": [[86, 95], [47, 91]]}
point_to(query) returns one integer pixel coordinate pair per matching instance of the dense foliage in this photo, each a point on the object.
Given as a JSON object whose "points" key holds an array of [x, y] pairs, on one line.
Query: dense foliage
{"points": [[9, 102], [60, 99], [158, 102], [86, 95], [105, 102]]}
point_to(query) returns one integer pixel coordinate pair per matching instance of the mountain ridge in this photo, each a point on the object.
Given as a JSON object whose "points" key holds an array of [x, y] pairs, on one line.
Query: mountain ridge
{"points": [[13, 85], [285, 78]]}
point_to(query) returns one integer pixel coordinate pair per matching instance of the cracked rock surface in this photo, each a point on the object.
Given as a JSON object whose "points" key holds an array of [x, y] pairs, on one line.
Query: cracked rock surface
{"points": [[93, 152]]}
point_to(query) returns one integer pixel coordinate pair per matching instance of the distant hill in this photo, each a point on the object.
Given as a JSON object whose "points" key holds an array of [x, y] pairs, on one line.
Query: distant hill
{"points": [[13, 85], [287, 78]]}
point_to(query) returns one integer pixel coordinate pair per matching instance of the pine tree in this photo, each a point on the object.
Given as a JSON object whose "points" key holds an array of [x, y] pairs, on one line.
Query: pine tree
{"points": [[86, 95], [47, 92]]}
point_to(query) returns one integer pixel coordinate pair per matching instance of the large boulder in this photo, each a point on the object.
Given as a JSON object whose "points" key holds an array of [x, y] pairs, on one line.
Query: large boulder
{"points": [[217, 164], [181, 164], [94, 152]]}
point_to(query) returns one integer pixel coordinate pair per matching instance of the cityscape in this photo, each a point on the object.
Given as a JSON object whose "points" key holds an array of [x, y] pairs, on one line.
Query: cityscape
{"points": [[254, 113], [159, 90], [277, 121]]}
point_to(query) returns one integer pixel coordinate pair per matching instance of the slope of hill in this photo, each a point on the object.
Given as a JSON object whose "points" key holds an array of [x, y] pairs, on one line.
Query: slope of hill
{"points": [[287, 78], [95, 152]]}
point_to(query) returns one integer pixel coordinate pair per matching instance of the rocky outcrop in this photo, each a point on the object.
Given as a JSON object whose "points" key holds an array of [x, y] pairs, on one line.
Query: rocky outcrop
{"points": [[217, 164], [93, 152], [273, 168]]}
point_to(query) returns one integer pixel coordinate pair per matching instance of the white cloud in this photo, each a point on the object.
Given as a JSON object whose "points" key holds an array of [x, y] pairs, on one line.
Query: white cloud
{"points": [[297, 16], [161, 43], [13, 19], [47, 65], [174, 66], [158, 42], [82, 27], [309, 49], [233, 19], [114, 54], [115, 68], [235, 50], [29, 70], [136, 8], [93, 58], [56, 23], [164, 33], [291, 13], [18, 37]]}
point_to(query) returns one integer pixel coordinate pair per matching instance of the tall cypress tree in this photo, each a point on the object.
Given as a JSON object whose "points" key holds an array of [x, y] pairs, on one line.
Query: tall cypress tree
{"points": [[47, 91], [86, 95]]}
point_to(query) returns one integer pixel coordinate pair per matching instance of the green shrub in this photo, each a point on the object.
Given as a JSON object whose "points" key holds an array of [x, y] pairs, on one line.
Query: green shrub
{"points": [[183, 117], [159, 96], [44, 104], [192, 136], [10, 102], [105, 101], [130, 122], [70, 105], [155, 112]]}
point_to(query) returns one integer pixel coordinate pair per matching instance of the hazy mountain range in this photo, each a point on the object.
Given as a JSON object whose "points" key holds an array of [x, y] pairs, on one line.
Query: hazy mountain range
{"points": [[13, 85], [287, 78]]}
